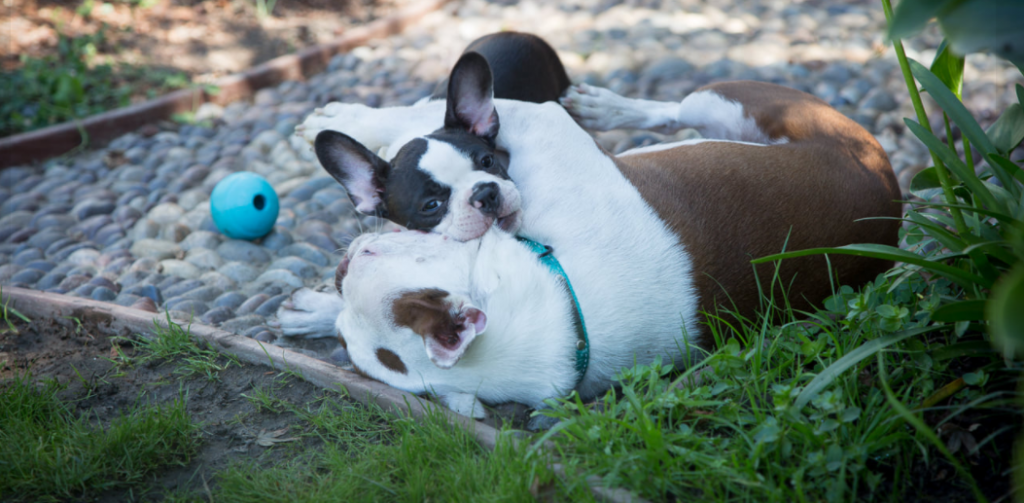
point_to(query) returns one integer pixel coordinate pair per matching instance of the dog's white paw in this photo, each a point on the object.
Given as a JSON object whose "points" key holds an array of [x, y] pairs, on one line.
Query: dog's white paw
{"points": [[342, 117], [465, 404], [595, 108], [309, 314]]}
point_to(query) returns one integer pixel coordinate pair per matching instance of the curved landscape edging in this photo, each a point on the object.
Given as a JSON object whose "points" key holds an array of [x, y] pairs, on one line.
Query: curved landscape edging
{"points": [[99, 129], [118, 320]]}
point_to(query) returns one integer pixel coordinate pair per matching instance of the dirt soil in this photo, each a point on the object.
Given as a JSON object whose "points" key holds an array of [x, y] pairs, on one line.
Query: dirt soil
{"points": [[204, 38], [82, 357]]}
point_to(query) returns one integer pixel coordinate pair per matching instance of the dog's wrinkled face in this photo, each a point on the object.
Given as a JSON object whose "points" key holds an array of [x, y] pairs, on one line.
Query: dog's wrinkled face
{"points": [[453, 181], [408, 318]]}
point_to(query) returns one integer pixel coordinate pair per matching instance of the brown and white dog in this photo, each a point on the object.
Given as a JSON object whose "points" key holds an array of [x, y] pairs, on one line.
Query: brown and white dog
{"points": [[647, 239]]}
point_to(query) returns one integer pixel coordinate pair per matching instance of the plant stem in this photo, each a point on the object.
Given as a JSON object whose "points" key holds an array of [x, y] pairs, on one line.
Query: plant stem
{"points": [[968, 156], [949, 133], [922, 118]]}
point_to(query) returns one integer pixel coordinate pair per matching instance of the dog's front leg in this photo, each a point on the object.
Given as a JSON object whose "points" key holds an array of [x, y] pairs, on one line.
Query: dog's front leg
{"points": [[466, 404], [309, 314], [381, 130]]}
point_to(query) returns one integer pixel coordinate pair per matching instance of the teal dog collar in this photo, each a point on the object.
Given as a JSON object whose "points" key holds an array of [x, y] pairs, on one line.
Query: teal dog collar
{"points": [[547, 257]]}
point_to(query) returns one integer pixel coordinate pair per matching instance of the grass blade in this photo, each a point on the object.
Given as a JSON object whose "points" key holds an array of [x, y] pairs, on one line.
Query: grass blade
{"points": [[924, 430], [825, 378], [954, 163], [952, 106], [961, 277], [1008, 130], [1002, 217], [965, 310]]}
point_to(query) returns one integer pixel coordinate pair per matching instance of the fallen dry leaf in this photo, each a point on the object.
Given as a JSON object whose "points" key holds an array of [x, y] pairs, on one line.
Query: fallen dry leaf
{"points": [[265, 439]]}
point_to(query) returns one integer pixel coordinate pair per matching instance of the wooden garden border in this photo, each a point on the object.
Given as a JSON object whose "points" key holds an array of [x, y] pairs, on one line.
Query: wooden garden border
{"points": [[118, 320]]}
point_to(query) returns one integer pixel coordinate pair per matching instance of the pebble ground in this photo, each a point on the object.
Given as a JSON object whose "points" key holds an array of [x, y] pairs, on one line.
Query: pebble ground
{"points": [[130, 223]]}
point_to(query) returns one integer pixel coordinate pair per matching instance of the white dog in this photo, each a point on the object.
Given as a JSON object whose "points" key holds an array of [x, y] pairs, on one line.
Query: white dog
{"points": [[646, 240]]}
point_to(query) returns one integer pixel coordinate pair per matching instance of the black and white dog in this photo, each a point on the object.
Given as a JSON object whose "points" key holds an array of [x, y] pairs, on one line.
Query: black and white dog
{"points": [[644, 241], [431, 193]]}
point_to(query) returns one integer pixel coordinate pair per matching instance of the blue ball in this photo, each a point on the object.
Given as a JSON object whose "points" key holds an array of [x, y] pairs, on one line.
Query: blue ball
{"points": [[244, 206]]}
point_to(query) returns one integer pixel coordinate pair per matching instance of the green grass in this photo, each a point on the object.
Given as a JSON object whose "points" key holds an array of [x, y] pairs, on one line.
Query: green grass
{"points": [[48, 453], [7, 315], [799, 411], [74, 83], [175, 342], [370, 455]]}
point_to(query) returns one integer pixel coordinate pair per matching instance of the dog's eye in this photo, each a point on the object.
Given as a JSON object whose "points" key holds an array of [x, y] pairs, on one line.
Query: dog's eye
{"points": [[431, 206], [487, 161]]}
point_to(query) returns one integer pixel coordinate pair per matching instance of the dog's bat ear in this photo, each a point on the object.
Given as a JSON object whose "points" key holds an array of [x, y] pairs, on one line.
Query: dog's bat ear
{"points": [[447, 324], [359, 170], [471, 97]]}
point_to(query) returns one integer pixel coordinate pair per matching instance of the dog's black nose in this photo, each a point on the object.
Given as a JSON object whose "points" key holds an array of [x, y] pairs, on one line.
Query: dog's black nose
{"points": [[486, 198]]}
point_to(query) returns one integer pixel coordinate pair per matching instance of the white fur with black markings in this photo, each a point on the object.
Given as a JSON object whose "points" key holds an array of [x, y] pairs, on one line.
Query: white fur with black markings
{"points": [[607, 238]]}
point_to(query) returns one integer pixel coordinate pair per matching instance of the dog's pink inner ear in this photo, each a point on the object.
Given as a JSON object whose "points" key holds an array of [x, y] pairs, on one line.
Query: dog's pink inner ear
{"points": [[446, 329], [358, 169], [479, 117], [477, 318]]}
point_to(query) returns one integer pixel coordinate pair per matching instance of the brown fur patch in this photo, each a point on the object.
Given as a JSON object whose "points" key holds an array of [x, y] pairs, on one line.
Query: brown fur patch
{"points": [[390, 360], [339, 273], [428, 313], [730, 203]]}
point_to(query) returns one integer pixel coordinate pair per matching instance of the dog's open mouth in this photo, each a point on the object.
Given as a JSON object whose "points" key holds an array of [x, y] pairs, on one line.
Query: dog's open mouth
{"points": [[509, 223]]}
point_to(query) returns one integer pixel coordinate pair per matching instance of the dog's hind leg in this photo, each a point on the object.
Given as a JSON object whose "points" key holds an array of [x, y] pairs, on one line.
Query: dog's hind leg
{"points": [[598, 109], [715, 116]]}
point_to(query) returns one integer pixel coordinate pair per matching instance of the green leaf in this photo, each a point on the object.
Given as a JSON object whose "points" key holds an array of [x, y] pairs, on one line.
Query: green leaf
{"points": [[1008, 165], [849, 414], [960, 349], [926, 184], [985, 25], [952, 106], [974, 378], [1002, 217], [911, 16], [830, 374], [1005, 310], [939, 233], [827, 426], [1008, 130], [965, 310], [962, 172], [1020, 94], [949, 68], [886, 311], [65, 93], [963, 278]]}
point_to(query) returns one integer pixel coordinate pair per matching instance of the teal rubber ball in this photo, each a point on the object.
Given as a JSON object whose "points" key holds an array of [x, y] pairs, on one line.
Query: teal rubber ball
{"points": [[244, 206]]}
